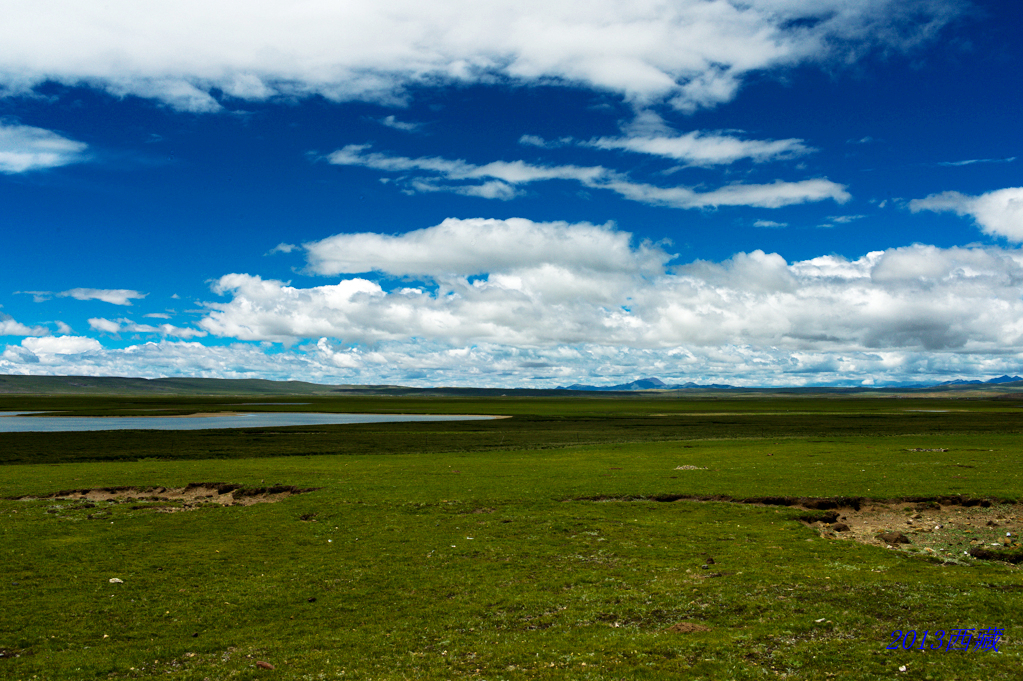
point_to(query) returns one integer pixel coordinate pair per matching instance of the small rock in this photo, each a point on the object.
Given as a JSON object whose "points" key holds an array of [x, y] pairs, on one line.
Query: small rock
{"points": [[115, 580], [893, 538], [840, 527], [710, 561]]}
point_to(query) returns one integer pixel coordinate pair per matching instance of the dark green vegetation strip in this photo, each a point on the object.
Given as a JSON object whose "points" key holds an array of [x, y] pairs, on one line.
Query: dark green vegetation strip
{"points": [[440, 551], [536, 423]]}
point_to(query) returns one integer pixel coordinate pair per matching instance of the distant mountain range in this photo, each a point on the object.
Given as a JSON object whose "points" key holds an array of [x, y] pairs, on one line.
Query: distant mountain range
{"points": [[119, 385], [647, 384], [658, 384], [1000, 379]]}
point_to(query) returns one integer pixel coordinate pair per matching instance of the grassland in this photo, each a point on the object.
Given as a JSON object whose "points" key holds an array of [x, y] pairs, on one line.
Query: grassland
{"points": [[562, 543]]}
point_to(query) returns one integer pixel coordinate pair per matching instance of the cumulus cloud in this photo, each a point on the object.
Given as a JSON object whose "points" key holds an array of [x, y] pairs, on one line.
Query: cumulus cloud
{"points": [[166, 358], [488, 365], [498, 180], [117, 296], [693, 53], [474, 246], [60, 345], [128, 326], [541, 285], [998, 213], [596, 307], [9, 327], [24, 148]]}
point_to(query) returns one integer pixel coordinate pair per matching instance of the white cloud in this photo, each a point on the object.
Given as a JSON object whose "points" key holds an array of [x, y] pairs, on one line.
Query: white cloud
{"points": [[474, 246], [128, 326], [492, 189], [537, 141], [392, 122], [9, 327], [490, 365], [544, 304], [833, 220], [497, 180], [844, 219], [157, 315], [541, 285], [64, 329], [698, 148], [104, 325], [648, 133], [970, 162], [60, 345], [513, 172], [773, 195], [24, 148], [692, 53], [999, 213], [770, 224], [118, 296]]}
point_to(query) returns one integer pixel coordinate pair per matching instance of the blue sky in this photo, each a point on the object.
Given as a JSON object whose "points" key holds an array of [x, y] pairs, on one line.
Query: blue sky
{"points": [[514, 194]]}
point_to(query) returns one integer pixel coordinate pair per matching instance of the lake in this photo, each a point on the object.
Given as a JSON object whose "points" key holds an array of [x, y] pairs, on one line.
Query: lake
{"points": [[17, 422]]}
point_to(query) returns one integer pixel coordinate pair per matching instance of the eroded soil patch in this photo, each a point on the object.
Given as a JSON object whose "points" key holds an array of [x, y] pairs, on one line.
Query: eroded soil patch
{"points": [[170, 499], [952, 528], [951, 532]]}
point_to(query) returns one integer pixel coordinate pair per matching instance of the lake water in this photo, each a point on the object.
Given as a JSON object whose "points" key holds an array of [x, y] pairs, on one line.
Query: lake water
{"points": [[16, 422]]}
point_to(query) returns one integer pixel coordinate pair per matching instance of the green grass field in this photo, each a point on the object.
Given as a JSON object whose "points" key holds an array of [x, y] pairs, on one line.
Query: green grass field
{"points": [[541, 546]]}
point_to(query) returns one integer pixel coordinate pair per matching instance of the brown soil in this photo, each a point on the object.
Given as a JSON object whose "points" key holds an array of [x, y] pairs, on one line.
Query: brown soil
{"points": [[687, 628], [192, 496], [951, 528], [941, 530]]}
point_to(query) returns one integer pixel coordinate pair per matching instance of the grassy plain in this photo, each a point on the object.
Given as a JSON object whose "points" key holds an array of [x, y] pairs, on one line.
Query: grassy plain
{"points": [[521, 548]]}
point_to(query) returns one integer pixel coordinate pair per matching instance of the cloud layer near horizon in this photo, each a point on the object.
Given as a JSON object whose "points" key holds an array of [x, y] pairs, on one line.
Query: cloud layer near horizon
{"points": [[693, 53], [531, 285], [517, 302]]}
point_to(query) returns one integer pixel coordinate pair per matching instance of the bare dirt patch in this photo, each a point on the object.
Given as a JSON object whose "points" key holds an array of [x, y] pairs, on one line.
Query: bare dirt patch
{"points": [[948, 531], [953, 529], [192, 496]]}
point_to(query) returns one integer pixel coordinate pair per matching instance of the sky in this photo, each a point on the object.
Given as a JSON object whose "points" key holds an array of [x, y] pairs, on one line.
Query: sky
{"points": [[513, 193]]}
